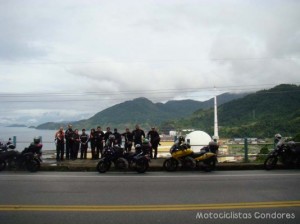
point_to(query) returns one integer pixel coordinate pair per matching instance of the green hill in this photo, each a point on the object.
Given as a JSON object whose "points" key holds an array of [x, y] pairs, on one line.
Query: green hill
{"points": [[142, 111], [261, 114]]}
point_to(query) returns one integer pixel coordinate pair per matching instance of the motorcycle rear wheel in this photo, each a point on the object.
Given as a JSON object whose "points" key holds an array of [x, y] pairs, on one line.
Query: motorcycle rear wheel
{"points": [[103, 166], [170, 164], [142, 166], [2, 164], [270, 162], [32, 166]]}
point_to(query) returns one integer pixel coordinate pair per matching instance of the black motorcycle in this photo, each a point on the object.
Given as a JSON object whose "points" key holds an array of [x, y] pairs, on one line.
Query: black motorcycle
{"points": [[28, 158], [138, 161], [288, 153], [6, 146]]}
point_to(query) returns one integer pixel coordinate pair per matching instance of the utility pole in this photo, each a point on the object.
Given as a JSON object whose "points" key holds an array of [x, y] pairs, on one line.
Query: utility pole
{"points": [[216, 128]]}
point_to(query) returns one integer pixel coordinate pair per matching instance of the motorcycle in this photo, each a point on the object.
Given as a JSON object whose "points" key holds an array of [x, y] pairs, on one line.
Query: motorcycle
{"points": [[29, 158], [288, 153], [183, 155], [36, 149], [6, 146], [138, 161]]}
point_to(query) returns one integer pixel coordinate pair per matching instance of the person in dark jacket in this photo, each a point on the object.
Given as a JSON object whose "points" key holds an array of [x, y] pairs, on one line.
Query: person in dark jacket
{"points": [[138, 135], [99, 137], [118, 137], [154, 140], [107, 134], [76, 143], [128, 137], [92, 140], [69, 141], [84, 139]]}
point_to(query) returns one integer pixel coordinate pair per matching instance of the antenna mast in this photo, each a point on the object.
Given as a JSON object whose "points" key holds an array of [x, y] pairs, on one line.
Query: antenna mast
{"points": [[216, 128]]}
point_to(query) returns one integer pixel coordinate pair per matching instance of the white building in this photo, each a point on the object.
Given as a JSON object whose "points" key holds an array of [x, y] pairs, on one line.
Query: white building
{"points": [[197, 140]]}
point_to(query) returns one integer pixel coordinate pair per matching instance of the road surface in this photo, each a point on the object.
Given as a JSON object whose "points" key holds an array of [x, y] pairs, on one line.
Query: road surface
{"points": [[157, 197]]}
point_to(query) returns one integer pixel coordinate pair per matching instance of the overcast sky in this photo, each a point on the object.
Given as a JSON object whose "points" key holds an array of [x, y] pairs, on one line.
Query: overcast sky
{"points": [[68, 59]]}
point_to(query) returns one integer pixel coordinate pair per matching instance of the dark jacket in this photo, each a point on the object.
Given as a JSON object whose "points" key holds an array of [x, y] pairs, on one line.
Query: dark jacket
{"points": [[84, 138], [99, 136], [69, 135], [137, 136], [154, 137], [128, 136]]}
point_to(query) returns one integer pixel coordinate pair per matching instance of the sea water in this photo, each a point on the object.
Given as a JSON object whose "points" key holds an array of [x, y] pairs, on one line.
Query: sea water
{"points": [[24, 136]]}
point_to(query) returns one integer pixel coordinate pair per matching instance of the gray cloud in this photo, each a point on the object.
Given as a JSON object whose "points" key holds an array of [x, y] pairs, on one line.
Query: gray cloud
{"points": [[99, 53]]}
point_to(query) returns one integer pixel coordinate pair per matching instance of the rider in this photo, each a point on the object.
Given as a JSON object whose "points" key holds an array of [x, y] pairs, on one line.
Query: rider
{"points": [[128, 140], [138, 148], [138, 135], [154, 139], [118, 137], [36, 146], [84, 139], [36, 141], [146, 146], [178, 143], [99, 138], [69, 141], [60, 144], [211, 147], [278, 140]]}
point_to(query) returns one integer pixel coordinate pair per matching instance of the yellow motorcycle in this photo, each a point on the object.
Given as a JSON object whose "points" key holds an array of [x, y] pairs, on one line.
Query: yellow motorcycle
{"points": [[182, 154]]}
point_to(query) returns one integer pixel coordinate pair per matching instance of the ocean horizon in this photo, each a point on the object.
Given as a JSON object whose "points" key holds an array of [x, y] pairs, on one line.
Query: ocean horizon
{"points": [[25, 135]]}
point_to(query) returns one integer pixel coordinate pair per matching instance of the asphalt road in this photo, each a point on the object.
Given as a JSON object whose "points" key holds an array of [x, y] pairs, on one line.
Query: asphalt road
{"points": [[158, 197]]}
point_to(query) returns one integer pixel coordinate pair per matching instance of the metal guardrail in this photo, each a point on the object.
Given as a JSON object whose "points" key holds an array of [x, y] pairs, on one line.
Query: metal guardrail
{"points": [[237, 151]]}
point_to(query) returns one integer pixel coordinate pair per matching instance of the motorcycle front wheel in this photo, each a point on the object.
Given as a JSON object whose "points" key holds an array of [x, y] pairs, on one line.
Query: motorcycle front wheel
{"points": [[32, 165], [270, 162], [142, 166], [170, 164], [103, 166], [2, 164]]}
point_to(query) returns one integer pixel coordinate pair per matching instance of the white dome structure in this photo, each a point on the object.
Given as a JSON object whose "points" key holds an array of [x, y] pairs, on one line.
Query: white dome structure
{"points": [[197, 140]]}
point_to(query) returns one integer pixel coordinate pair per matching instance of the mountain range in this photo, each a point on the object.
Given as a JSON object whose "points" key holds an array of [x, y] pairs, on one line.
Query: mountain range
{"points": [[144, 112], [260, 114]]}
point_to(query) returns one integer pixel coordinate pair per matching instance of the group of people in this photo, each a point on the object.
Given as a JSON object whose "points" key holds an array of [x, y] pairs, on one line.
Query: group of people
{"points": [[70, 142]]}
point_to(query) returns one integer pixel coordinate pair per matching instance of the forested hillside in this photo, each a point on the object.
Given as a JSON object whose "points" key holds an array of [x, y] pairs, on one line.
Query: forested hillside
{"points": [[261, 114]]}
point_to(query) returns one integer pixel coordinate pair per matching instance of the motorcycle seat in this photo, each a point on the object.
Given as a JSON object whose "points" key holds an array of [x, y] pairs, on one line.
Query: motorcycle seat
{"points": [[129, 154], [198, 154]]}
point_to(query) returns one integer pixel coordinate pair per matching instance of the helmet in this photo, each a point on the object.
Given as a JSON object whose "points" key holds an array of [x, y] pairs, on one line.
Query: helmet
{"points": [[138, 146], [145, 141], [181, 139], [36, 139], [278, 137]]}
